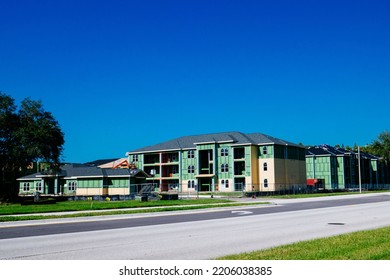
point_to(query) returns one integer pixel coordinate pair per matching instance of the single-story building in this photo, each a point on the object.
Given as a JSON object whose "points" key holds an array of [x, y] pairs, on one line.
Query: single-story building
{"points": [[83, 180]]}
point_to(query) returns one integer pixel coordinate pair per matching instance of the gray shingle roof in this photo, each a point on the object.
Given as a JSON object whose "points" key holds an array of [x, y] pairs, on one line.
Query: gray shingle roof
{"points": [[78, 171], [84, 171], [325, 149], [189, 142]]}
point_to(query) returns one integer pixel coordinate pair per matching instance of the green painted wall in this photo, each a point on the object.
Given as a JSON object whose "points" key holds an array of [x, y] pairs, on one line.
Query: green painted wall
{"points": [[248, 161]]}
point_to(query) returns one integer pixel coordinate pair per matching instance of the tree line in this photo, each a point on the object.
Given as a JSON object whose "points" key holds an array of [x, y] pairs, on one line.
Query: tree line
{"points": [[379, 147]]}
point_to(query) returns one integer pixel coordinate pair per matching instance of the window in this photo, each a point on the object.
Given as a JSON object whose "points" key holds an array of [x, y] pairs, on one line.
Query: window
{"points": [[224, 152], [72, 186], [26, 187], [225, 167], [191, 184], [38, 186], [135, 158], [191, 154], [191, 169], [265, 183], [264, 150], [225, 183], [265, 166]]}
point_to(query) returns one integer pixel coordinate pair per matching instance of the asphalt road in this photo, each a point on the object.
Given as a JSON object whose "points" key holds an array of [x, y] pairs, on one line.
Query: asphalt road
{"points": [[196, 235]]}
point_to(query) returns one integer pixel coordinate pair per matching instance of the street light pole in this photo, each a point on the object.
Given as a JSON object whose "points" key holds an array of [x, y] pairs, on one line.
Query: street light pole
{"points": [[360, 172]]}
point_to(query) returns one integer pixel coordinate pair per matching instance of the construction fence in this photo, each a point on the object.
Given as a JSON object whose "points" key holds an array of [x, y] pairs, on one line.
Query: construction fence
{"points": [[152, 191]]}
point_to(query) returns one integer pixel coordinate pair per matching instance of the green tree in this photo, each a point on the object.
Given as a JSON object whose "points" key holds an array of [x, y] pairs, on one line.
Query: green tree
{"points": [[30, 134], [40, 136], [8, 125], [381, 146]]}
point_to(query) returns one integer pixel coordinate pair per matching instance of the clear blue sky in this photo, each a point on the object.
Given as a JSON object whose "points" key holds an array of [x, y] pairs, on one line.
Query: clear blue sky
{"points": [[121, 75]]}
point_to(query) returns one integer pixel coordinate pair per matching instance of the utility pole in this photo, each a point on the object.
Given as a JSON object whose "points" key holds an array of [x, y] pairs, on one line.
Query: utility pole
{"points": [[360, 172]]}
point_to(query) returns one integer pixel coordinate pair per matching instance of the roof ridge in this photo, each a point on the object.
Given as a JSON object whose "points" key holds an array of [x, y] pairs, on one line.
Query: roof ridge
{"points": [[246, 136], [190, 141]]}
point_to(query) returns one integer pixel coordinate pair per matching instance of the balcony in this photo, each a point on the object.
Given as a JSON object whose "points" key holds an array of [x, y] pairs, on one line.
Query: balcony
{"points": [[170, 158], [239, 153], [239, 168]]}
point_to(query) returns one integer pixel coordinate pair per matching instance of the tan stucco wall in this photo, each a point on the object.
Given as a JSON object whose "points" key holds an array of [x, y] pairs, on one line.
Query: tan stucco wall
{"points": [[254, 180], [89, 191], [118, 191], [102, 191], [184, 186], [281, 172], [269, 174]]}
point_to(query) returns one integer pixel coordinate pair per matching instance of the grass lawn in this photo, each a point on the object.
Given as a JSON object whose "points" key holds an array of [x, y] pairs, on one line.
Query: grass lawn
{"points": [[123, 207], [14, 208], [362, 245]]}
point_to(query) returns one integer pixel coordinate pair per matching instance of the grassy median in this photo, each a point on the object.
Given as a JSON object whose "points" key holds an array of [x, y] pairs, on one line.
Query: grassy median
{"points": [[10, 212], [11, 209], [362, 245]]}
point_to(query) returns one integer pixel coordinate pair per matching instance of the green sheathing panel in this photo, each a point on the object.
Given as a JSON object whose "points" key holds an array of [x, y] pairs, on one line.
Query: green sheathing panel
{"points": [[374, 165], [319, 169], [374, 173], [340, 173], [138, 160], [89, 183], [67, 190], [270, 151], [248, 158], [205, 147], [31, 184], [189, 160], [223, 159], [310, 170], [117, 182]]}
